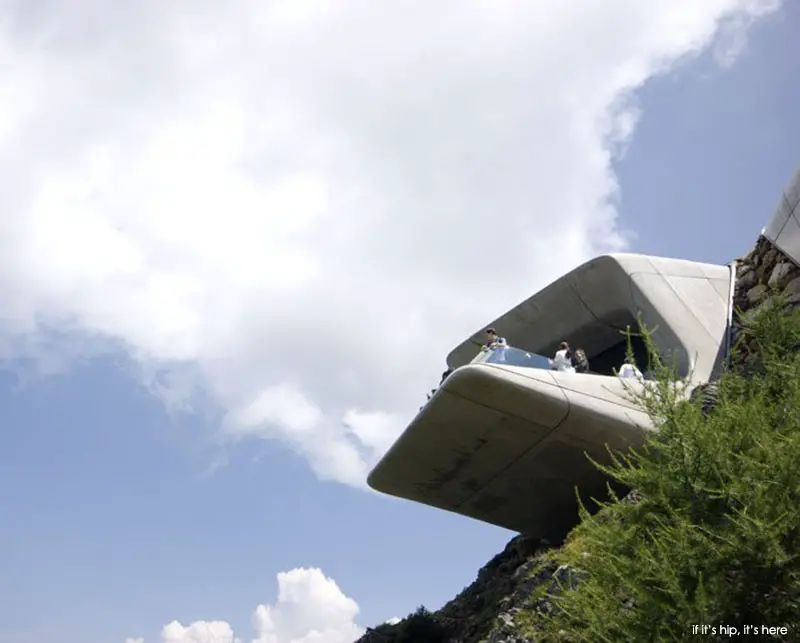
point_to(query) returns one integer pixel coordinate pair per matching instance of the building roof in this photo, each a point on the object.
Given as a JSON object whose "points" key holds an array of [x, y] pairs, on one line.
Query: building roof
{"points": [[684, 303]]}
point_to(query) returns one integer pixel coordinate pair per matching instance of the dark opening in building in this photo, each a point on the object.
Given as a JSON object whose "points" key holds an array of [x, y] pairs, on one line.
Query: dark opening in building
{"points": [[609, 360]]}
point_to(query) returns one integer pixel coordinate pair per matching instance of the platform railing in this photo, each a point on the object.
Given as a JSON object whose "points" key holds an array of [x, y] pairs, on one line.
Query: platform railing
{"points": [[510, 356], [507, 356]]}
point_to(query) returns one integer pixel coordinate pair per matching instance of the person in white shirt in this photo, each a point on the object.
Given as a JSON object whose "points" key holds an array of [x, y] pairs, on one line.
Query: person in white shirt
{"points": [[629, 370], [562, 360]]}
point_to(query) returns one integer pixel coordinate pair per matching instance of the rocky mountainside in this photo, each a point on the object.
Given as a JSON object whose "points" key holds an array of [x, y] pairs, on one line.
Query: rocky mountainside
{"points": [[517, 584], [485, 610]]}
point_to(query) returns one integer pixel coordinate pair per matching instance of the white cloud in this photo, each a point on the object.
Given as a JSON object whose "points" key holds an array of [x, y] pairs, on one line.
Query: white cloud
{"points": [[732, 39], [310, 609], [200, 632], [294, 210]]}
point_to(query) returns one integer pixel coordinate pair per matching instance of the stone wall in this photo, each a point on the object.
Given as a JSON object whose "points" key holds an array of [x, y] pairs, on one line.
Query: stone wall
{"points": [[762, 273]]}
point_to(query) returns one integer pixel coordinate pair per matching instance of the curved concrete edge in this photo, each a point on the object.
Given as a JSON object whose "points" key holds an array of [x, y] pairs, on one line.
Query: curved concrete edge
{"points": [[732, 267], [686, 301], [783, 229], [508, 446]]}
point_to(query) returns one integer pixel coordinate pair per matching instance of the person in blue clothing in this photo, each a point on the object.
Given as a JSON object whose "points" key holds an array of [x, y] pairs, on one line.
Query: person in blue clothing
{"points": [[493, 340], [496, 344]]}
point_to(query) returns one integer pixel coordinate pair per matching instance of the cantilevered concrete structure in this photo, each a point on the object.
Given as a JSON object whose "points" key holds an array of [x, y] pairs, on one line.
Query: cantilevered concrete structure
{"points": [[783, 229], [506, 443]]}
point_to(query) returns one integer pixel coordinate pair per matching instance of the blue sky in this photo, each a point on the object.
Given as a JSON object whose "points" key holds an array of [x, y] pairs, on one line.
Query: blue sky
{"points": [[163, 459], [714, 149]]}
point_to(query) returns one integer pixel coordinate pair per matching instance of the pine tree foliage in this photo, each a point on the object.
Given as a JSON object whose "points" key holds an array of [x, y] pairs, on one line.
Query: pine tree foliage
{"points": [[713, 536], [420, 626]]}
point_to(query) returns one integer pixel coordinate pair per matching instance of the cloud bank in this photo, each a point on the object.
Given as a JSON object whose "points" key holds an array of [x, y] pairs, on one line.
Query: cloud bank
{"points": [[310, 609], [293, 209]]}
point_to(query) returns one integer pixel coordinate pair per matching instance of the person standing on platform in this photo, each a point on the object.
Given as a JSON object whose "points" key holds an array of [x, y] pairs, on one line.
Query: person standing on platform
{"points": [[580, 361], [496, 344], [562, 360]]}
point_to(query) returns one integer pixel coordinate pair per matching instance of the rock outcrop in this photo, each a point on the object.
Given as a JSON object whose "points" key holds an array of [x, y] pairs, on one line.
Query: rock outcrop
{"points": [[519, 583], [764, 272], [487, 609]]}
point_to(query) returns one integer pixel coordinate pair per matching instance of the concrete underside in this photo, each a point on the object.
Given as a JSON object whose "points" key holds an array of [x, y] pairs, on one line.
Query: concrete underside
{"points": [[508, 446]]}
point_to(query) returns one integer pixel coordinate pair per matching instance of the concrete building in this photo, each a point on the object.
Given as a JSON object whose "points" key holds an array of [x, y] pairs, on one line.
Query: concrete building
{"points": [[505, 441], [783, 229]]}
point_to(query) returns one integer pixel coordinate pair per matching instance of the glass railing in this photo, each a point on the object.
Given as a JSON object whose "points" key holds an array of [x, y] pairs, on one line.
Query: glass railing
{"points": [[510, 356]]}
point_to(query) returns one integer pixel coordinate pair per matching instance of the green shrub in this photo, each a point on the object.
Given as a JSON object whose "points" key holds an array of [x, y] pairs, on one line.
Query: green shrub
{"points": [[714, 536], [419, 627]]}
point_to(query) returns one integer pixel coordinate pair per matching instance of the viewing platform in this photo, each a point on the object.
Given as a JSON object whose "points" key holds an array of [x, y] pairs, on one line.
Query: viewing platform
{"points": [[505, 440]]}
